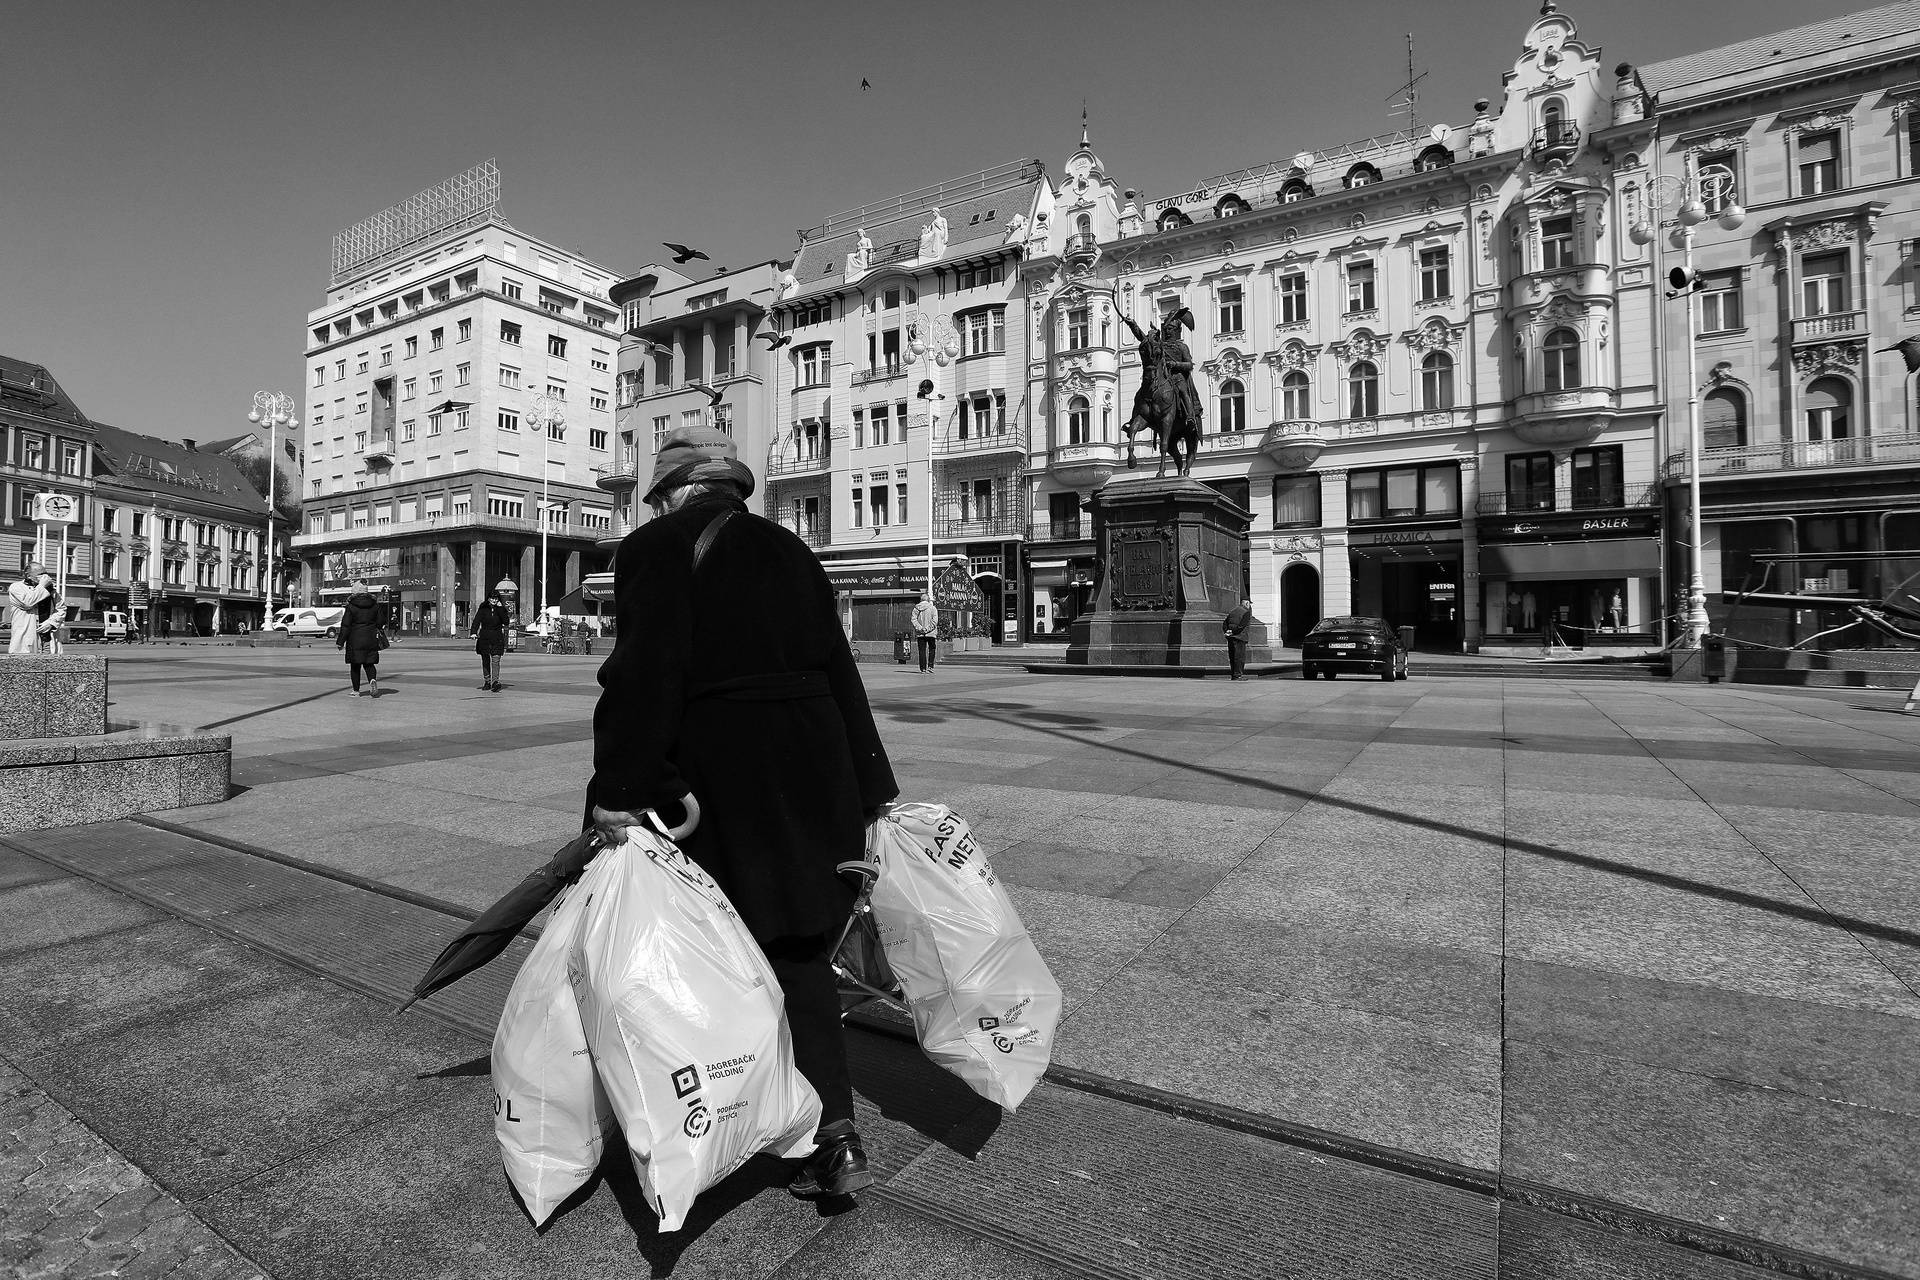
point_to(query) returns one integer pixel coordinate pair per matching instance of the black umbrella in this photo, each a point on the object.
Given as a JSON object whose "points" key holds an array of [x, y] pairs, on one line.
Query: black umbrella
{"points": [[502, 922]]}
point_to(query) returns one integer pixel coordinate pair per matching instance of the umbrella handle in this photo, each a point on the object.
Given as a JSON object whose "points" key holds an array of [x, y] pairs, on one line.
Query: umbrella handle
{"points": [[685, 829]]}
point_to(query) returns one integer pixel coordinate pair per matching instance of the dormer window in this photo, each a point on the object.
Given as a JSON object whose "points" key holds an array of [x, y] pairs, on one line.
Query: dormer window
{"points": [[1362, 175], [1230, 206], [1173, 219], [1295, 188]]}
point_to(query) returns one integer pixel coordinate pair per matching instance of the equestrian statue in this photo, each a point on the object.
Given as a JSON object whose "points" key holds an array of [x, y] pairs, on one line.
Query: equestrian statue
{"points": [[1166, 403]]}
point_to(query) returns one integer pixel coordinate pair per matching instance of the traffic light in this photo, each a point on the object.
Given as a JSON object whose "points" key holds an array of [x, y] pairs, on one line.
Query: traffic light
{"points": [[1684, 280]]}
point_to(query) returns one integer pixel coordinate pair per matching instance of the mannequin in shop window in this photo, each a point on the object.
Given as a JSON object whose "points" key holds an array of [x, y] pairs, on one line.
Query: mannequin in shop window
{"points": [[1616, 613], [1527, 609]]}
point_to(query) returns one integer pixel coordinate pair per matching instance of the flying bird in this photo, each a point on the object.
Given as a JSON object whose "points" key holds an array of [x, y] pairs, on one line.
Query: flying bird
{"points": [[775, 341], [1909, 349], [713, 397], [681, 253], [864, 86]]}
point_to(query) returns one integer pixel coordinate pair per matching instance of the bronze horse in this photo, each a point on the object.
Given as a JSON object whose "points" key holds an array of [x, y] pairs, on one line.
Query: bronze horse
{"points": [[1159, 407]]}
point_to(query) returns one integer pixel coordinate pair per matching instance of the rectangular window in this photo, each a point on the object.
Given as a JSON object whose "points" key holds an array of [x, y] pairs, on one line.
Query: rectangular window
{"points": [[599, 362], [877, 504], [814, 366], [986, 332], [509, 505], [859, 428], [1530, 482], [1404, 492], [1232, 299], [880, 425], [406, 389], [319, 375], [1360, 287], [597, 438], [464, 331], [339, 370], [1436, 275], [433, 382], [509, 420], [70, 459], [596, 400], [1077, 329], [1556, 243], [359, 442], [406, 431], [433, 423], [510, 333], [1720, 304], [859, 509], [1293, 299], [1598, 478], [386, 357], [1818, 156], [511, 289], [509, 376], [436, 339], [462, 374], [1823, 284], [661, 426], [900, 503], [556, 345], [1296, 502]]}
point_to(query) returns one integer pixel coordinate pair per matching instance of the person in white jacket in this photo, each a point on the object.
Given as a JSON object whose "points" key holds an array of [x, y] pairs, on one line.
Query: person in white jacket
{"points": [[23, 606]]}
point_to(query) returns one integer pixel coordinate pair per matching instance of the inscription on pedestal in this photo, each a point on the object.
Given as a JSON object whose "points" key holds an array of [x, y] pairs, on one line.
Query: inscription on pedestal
{"points": [[1142, 569]]}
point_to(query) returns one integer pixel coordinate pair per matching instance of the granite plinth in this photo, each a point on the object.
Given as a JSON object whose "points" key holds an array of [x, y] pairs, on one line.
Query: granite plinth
{"points": [[52, 696], [1172, 565], [137, 768]]}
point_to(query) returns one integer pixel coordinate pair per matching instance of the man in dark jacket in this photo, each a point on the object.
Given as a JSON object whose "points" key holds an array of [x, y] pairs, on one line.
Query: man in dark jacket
{"points": [[1235, 626], [733, 682]]}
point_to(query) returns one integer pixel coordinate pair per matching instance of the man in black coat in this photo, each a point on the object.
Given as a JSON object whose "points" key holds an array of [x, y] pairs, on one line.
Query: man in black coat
{"points": [[733, 682], [1235, 625]]}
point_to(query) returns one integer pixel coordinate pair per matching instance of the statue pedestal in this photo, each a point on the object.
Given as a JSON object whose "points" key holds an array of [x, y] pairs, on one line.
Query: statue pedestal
{"points": [[1170, 569]]}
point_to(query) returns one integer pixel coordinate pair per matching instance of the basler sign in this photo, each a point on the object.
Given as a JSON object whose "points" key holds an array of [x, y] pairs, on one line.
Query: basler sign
{"points": [[1563, 526]]}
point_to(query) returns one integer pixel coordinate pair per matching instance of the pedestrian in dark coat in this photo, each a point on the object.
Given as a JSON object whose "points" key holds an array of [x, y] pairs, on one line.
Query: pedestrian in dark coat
{"points": [[361, 625], [490, 623], [1234, 627], [734, 683]]}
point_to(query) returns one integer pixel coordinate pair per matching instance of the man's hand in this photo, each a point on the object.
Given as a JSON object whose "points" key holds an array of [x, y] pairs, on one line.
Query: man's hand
{"points": [[612, 824]]}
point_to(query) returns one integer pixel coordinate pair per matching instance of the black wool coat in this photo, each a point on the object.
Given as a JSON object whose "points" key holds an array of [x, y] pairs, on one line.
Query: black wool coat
{"points": [[490, 623], [359, 628], [739, 687]]}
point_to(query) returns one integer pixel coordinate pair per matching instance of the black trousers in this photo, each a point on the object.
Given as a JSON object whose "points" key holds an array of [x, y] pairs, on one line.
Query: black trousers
{"points": [[490, 667], [355, 668], [927, 647], [804, 969], [1237, 656]]}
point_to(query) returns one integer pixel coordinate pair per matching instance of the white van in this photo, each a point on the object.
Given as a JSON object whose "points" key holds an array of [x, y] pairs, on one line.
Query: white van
{"points": [[308, 622]]}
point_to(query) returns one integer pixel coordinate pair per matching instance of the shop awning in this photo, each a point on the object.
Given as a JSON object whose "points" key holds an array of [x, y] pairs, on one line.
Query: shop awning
{"points": [[1591, 558]]}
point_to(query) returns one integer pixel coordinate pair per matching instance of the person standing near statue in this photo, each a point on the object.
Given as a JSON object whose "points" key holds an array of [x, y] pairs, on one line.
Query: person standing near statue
{"points": [[1235, 626]]}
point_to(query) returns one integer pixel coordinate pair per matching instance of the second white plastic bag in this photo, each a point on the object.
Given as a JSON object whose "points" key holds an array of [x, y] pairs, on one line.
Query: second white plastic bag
{"points": [[549, 1111], [686, 1023], [984, 1003]]}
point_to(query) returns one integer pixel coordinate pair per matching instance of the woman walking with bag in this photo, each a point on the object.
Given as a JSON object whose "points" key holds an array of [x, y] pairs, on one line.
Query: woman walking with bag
{"points": [[362, 637], [490, 623]]}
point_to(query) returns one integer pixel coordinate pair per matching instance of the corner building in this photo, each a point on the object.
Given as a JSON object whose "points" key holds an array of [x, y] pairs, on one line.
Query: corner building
{"points": [[424, 464], [1810, 464], [46, 446], [899, 401], [1426, 362]]}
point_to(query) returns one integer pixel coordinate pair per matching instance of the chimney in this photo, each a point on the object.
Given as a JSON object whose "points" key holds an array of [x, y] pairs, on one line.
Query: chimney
{"points": [[190, 446]]}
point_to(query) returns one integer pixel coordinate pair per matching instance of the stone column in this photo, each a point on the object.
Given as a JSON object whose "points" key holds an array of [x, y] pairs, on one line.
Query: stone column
{"points": [[573, 570], [679, 356], [706, 350], [740, 353], [477, 583], [444, 579], [529, 582]]}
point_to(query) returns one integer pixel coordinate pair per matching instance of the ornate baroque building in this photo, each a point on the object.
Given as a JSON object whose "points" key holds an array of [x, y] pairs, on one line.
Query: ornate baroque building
{"points": [[46, 446], [1426, 362], [1810, 474]]}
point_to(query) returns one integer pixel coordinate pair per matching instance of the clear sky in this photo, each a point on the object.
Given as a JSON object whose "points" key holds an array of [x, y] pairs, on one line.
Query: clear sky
{"points": [[175, 172]]}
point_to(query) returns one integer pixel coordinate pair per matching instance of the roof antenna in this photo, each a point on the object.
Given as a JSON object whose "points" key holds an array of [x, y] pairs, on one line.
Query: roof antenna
{"points": [[1411, 103], [1084, 144]]}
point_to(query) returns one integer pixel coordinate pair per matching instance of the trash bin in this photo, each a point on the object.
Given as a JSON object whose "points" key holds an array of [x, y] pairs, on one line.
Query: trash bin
{"points": [[1406, 638], [1714, 651], [902, 645]]}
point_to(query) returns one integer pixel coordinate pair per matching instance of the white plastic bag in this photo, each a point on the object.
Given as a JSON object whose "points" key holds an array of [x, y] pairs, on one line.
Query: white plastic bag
{"points": [[687, 1025], [984, 1004], [549, 1111]]}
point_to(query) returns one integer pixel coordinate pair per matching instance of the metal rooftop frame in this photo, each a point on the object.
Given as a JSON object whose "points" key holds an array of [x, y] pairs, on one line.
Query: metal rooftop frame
{"points": [[985, 180]]}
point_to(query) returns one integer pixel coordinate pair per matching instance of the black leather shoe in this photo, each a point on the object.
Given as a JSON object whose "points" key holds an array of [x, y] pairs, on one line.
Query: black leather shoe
{"points": [[836, 1168]]}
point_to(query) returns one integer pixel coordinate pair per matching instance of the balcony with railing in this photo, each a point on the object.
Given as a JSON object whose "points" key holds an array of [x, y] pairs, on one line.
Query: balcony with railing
{"points": [[619, 473], [976, 443], [800, 462], [475, 520], [1082, 248], [970, 525], [1576, 498], [1556, 139], [1839, 324], [1083, 466], [1294, 444], [1902, 449], [882, 373]]}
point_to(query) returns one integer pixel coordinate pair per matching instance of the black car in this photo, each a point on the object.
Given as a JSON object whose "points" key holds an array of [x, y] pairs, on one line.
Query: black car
{"points": [[1365, 645]]}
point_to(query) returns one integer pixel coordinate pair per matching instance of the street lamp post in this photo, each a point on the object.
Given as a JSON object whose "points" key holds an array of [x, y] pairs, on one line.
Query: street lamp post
{"points": [[933, 343], [1690, 197], [276, 410], [548, 416]]}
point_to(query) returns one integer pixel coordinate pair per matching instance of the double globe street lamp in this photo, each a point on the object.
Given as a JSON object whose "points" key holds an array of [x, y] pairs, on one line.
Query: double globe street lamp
{"points": [[1693, 199], [275, 410]]}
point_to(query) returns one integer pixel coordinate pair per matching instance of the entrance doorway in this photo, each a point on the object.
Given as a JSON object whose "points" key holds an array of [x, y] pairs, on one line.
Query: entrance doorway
{"points": [[1299, 603], [1425, 595]]}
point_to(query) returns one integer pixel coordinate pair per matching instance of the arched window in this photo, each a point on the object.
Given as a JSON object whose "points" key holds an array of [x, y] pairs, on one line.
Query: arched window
{"points": [[1079, 421], [1362, 175], [1294, 189], [1552, 112], [1363, 391], [1229, 206], [1561, 352], [1083, 225], [1296, 399], [1233, 406], [1723, 419], [1173, 218], [1436, 381], [1434, 157], [1829, 403]]}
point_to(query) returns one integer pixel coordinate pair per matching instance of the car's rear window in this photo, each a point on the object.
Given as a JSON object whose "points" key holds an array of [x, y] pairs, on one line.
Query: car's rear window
{"points": [[1348, 624]]}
